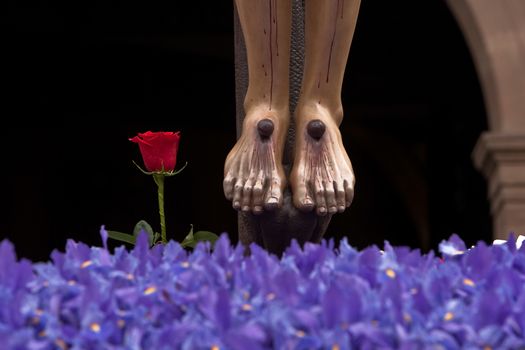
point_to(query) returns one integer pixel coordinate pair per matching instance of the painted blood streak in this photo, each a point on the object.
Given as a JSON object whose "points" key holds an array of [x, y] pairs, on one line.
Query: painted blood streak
{"points": [[273, 22], [339, 13]]}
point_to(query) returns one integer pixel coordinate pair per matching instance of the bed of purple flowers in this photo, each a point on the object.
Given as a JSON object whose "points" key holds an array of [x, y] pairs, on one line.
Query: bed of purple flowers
{"points": [[318, 297]]}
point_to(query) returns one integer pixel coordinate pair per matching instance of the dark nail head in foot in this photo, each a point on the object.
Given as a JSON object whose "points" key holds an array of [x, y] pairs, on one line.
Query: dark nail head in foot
{"points": [[265, 128], [316, 129]]}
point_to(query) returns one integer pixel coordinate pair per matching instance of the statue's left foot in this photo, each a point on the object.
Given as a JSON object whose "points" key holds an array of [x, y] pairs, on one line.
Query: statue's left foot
{"points": [[322, 176]]}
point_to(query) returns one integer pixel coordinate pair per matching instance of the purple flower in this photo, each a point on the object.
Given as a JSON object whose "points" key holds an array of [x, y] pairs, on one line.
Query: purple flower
{"points": [[478, 262], [453, 246], [316, 296]]}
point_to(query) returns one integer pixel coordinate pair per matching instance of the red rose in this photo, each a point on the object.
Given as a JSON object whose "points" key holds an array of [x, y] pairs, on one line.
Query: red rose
{"points": [[158, 149]]}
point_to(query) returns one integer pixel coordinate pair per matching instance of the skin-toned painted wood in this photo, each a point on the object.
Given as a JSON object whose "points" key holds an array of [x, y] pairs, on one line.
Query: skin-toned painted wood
{"points": [[289, 172], [322, 177]]}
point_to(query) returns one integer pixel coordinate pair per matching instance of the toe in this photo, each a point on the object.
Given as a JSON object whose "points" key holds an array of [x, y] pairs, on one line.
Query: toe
{"points": [[227, 186], [274, 194], [271, 203], [307, 203], [340, 197], [330, 197], [302, 198], [247, 196], [258, 195], [320, 199], [237, 194], [349, 193]]}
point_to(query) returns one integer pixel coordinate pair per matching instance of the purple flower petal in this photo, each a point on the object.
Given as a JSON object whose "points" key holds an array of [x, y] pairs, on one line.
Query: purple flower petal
{"points": [[453, 246], [104, 236]]}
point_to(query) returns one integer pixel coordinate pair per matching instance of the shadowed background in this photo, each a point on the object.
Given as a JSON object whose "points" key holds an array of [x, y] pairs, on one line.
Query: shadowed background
{"points": [[82, 78]]}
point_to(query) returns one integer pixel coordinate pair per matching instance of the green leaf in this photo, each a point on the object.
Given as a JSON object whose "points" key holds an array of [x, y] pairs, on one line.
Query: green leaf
{"points": [[156, 237], [175, 172], [201, 236], [161, 172], [142, 225], [121, 236], [189, 240]]}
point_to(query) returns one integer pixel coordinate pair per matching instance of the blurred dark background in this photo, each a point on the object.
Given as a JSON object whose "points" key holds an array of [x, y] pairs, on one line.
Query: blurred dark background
{"points": [[80, 78]]}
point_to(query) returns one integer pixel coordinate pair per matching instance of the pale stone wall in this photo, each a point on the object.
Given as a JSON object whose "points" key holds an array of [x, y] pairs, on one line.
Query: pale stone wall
{"points": [[495, 33]]}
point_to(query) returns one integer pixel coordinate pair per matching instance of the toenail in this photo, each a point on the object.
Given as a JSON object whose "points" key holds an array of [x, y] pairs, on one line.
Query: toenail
{"points": [[341, 208], [322, 209], [246, 208], [316, 129], [265, 128], [257, 209], [272, 200], [308, 202], [332, 210], [236, 205]]}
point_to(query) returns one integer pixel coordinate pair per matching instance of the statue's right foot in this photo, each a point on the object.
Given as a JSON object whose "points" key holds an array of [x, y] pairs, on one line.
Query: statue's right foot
{"points": [[253, 173]]}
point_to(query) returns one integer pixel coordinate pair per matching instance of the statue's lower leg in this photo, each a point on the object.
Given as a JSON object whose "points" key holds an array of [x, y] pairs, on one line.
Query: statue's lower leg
{"points": [[322, 176], [254, 178]]}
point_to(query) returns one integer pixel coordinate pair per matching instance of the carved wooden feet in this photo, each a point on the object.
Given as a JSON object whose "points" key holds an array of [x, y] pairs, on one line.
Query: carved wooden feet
{"points": [[321, 177]]}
